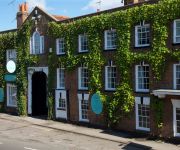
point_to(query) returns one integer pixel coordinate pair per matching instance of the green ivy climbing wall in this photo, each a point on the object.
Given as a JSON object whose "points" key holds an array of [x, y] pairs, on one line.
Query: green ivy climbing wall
{"points": [[158, 15], [122, 101]]}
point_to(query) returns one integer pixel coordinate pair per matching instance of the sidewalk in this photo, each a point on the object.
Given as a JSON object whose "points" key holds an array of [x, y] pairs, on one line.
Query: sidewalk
{"points": [[97, 133]]}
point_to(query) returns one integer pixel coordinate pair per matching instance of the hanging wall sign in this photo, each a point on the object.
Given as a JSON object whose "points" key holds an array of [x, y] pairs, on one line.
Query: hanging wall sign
{"points": [[96, 104], [11, 66], [1, 95], [10, 78]]}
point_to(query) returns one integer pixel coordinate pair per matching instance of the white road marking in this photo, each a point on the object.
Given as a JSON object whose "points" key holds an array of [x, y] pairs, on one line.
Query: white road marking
{"points": [[29, 148], [1, 143]]}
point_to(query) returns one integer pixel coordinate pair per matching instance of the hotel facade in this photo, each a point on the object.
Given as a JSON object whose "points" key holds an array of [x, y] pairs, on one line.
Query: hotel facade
{"points": [[144, 35]]}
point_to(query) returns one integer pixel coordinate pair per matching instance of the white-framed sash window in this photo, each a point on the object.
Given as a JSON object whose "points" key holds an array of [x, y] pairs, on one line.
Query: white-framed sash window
{"points": [[176, 31], [36, 43], [11, 95], [11, 55], [176, 76], [83, 107], [142, 78], [110, 39], [142, 106], [83, 43], [176, 117], [110, 77], [142, 35], [60, 46], [83, 80], [61, 78]]}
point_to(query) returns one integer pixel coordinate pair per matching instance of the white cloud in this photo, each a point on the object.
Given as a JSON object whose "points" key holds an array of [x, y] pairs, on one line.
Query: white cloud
{"points": [[40, 3], [105, 4]]}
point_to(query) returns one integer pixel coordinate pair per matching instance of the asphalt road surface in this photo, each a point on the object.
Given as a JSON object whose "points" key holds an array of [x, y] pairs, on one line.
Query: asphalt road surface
{"points": [[25, 136]]}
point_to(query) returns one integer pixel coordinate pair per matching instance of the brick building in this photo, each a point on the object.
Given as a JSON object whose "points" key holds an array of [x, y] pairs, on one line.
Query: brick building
{"points": [[71, 94]]}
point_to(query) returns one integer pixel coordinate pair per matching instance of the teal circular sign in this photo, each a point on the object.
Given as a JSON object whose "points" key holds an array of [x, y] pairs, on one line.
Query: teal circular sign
{"points": [[96, 104]]}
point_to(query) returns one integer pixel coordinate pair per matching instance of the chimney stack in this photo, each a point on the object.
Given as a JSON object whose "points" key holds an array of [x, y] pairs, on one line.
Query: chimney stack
{"points": [[22, 14]]}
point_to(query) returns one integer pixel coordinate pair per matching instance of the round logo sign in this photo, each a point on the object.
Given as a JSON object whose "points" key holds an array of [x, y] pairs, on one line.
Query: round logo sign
{"points": [[11, 66], [96, 104]]}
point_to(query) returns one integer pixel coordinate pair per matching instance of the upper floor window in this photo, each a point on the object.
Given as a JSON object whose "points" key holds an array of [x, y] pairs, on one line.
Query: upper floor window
{"points": [[177, 31], [83, 43], [110, 77], [142, 35], [142, 78], [61, 78], [37, 43], [110, 37], [60, 46], [83, 78], [177, 76], [11, 55]]}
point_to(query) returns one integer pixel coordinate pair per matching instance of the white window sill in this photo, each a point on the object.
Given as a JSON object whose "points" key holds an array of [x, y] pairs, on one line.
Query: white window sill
{"points": [[60, 53], [143, 129], [176, 42], [80, 51], [61, 88], [107, 89], [144, 91], [14, 106], [37, 53], [176, 134], [109, 48], [80, 88], [84, 120], [145, 45]]}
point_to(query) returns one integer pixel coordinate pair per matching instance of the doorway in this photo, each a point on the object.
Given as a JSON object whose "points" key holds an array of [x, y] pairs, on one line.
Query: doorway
{"points": [[39, 94]]}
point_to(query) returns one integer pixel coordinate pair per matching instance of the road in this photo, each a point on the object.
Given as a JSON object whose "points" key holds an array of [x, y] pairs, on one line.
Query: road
{"points": [[21, 135]]}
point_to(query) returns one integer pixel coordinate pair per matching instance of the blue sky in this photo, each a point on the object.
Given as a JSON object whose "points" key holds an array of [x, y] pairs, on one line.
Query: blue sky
{"points": [[69, 8]]}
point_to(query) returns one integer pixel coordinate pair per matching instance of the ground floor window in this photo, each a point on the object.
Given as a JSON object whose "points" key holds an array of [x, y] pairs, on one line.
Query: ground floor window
{"points": [[11, 95], [178, 120], [83, 107], [176, 117], [62, 103], [143, 113]]}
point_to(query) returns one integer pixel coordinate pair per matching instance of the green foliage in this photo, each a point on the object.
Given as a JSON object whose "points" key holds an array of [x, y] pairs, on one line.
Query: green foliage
{"points": [[24, 60], [22, 104], [121, 102], [158, 15], [7, 41], [50, 106], [158, 107]]}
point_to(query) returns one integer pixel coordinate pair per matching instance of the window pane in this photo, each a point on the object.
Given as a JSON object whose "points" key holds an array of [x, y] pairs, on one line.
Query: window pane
{"points": [[143, 115], [61, 78], [143, 35], [111, 37], [143, 78], [178, 120], [37, 43], [84, 78], [84, 109], [111, 77], [61, 46], [83, 43], [12, 95]]}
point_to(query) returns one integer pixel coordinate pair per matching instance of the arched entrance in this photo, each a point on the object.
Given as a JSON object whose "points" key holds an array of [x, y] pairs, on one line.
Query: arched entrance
{"points": [[39, 94]]}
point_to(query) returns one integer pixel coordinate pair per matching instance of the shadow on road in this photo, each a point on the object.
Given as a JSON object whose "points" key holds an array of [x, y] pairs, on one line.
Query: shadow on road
{"points": [[134, 146]]}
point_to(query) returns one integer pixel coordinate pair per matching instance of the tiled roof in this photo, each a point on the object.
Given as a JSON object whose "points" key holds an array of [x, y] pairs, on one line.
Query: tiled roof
{"points": [[60, 18]]}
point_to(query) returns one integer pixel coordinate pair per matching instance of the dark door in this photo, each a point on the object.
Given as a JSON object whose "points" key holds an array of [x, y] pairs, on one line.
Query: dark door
{"points": [[39, 95]]}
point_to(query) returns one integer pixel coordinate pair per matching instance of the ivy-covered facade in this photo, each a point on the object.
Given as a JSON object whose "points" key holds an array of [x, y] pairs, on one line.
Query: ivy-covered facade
{"points": [[129, 56]]}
